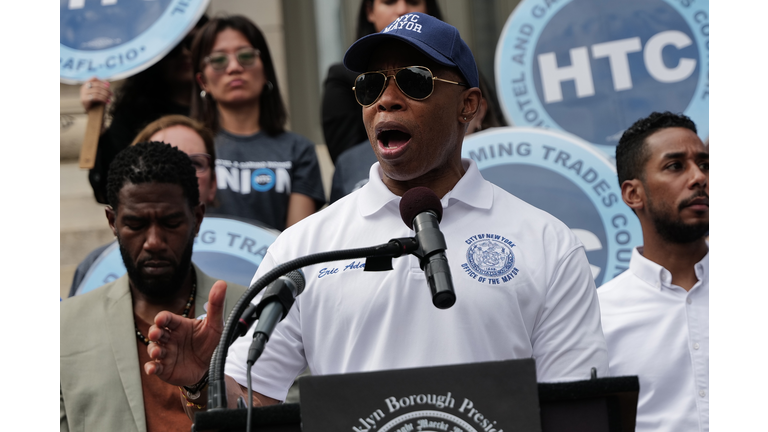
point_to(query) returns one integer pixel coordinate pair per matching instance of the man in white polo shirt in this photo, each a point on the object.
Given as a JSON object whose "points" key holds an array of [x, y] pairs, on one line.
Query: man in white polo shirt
{"points": [[522, 281], [655, 315]]}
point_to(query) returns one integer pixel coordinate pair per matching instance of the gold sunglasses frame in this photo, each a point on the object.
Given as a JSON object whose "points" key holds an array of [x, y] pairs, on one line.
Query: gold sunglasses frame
{"points": [[396, 70]]}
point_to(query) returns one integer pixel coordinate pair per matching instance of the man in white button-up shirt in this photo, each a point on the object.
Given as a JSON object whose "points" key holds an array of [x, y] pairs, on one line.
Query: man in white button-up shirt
{"points": [[655, 316]]}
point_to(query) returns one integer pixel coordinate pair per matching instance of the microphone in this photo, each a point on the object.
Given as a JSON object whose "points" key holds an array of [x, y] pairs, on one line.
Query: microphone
{"points": [[421, 210], [273, 307]]}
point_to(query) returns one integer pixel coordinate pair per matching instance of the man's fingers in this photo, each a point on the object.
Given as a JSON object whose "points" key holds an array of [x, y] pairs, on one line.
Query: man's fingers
{"points": [[168, 320], [153, 368], [182, 345], [216, 299], [155, 333], [155, 351]]}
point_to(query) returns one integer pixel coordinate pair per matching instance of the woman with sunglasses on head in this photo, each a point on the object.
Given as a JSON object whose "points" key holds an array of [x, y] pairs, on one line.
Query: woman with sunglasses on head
{"points": [[194, 139], [264, 172], [163, 88], [341, 115]]}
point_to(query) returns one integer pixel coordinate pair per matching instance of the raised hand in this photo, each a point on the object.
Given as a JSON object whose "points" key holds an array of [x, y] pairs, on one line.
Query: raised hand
{"points": [[94, 91], [183, 347]]}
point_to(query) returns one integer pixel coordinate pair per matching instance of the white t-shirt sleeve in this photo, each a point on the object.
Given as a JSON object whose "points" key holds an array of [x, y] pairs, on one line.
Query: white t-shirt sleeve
{"points": [[567, 338]]}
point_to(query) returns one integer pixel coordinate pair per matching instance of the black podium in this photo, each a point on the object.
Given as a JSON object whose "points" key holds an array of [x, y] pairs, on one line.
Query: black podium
{"points": [[596, 405]]}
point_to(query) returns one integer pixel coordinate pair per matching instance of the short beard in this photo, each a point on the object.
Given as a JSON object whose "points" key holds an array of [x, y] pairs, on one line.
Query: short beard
{"points": [[163, 289], [671, 228], [675, 231]]}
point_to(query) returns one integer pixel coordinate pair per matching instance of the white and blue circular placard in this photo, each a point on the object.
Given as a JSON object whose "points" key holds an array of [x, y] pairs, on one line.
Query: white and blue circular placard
{"points": [[225, 248], [114, 39], [594, 67], [569, 179]]}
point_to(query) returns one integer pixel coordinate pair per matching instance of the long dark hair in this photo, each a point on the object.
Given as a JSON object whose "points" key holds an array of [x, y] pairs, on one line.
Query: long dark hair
{"points": [[148, 90], [493, 115], [272, 113], [365, 27]]}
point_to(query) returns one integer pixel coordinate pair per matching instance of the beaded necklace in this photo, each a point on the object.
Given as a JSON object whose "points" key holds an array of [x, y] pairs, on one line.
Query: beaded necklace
{"points": [[190, 302]]}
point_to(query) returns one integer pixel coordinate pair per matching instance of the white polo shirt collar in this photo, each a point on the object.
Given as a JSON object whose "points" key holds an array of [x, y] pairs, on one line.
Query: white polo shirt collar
{"points": [[657, 276], [471, 190]]}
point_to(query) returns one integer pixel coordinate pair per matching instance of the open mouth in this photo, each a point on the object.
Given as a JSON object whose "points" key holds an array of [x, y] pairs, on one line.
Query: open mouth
{"points": [[391, 139]]}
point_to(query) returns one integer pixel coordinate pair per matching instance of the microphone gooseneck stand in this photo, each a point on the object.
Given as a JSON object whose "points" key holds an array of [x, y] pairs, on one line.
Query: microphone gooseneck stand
{"points": [[378, 258]]}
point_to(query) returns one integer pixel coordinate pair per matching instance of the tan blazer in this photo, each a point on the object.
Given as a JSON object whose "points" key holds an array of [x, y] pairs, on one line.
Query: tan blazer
{"points": [[100, 385]]}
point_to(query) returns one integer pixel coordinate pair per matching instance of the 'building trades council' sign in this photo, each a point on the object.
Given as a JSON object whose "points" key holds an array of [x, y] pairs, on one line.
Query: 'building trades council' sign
{"points": [[569, 179]]}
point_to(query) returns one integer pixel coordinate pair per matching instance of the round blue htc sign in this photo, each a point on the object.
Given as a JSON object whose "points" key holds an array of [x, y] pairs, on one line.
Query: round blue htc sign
{"points": [[594, 67], [566, 177], [114, 39]]}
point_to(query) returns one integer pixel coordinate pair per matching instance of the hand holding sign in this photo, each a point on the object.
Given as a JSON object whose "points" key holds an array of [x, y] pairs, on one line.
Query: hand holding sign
{"points": [[94, 92], [112, 39], [94, 95]]}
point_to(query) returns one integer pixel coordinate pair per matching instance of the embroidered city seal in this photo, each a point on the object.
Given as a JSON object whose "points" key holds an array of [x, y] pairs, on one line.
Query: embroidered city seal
{"points": [[490, 258]]}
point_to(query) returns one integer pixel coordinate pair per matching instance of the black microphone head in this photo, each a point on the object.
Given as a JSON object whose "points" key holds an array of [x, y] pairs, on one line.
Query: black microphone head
{"points": [[419, 200], [297, 277]]}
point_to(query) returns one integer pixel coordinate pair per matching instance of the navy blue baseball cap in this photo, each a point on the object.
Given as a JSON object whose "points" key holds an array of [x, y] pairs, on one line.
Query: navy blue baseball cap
{"points": [[438, 40]]}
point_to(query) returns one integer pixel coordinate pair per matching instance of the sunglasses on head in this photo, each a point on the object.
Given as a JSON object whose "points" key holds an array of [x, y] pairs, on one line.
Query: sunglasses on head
{"points": [[201, 161], [416, 82], [220, 60]]}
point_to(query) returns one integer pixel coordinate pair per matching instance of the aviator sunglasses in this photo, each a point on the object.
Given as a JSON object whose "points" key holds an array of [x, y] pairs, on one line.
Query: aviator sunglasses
{"points": [[416, 82], [219, 60]]}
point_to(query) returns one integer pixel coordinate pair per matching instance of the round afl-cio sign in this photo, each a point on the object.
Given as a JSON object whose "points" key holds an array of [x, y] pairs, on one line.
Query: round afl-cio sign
{"points": [[225, 248], [566, 177], [594, 67], [114, 39]]}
